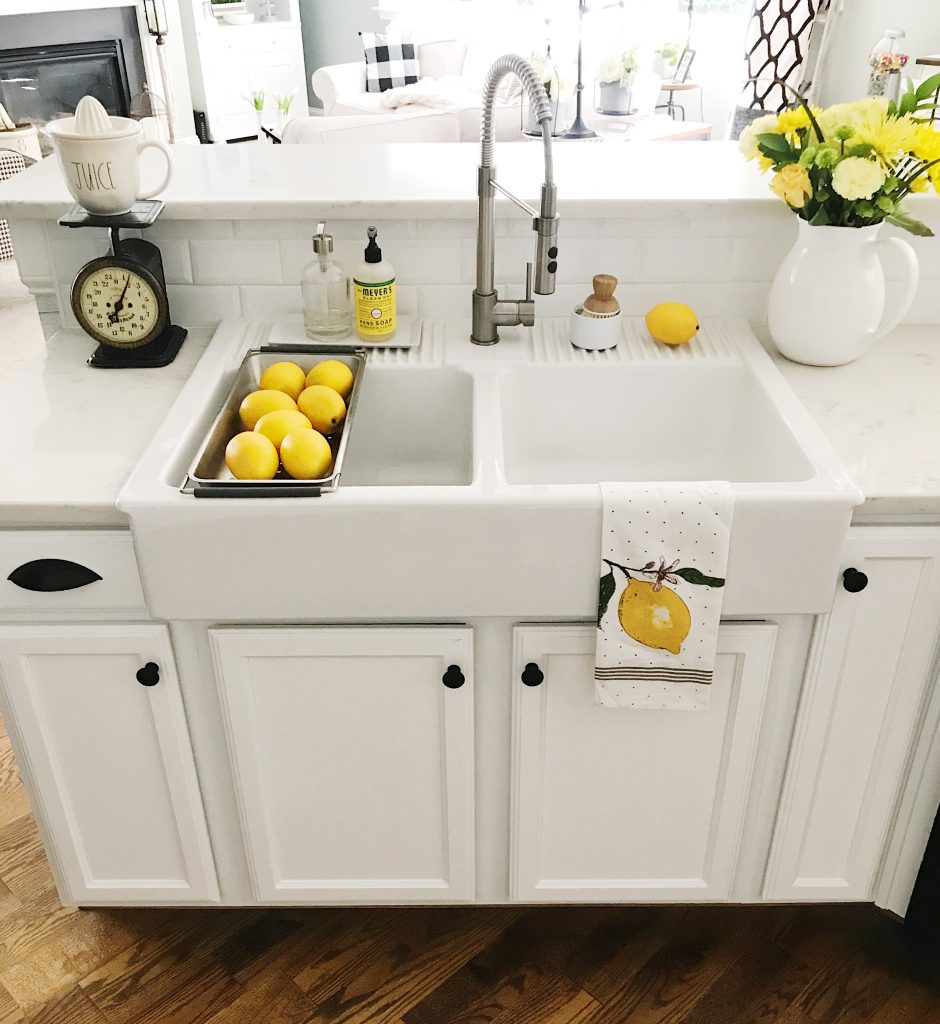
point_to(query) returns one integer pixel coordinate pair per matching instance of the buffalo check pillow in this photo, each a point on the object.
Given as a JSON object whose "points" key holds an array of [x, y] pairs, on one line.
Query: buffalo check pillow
{"points": [[390, 61]]}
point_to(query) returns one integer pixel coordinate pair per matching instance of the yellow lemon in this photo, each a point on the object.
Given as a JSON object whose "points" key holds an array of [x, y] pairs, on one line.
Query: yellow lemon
{"points": [[306, 454], [323, 407], [251, 456], [278, 424], [258, 403], [286, 377], [333, 374], [672, 323], [654, 618]]}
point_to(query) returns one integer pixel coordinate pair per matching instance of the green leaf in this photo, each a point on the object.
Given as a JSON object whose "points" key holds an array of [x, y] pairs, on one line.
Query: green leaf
{"points": [[908, 104], [820, 218], [928, 87], [771, 144], [903, 220], [698, 578], [606, 592]]}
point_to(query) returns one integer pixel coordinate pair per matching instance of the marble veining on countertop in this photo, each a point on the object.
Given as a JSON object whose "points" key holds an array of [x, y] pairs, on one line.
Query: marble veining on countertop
{"points": [[882, 415]]}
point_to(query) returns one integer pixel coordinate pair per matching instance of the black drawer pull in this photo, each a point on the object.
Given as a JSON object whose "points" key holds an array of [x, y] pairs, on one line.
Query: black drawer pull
{"points": [[854, 581], [532, 675], [149, 675], [453, 678], [50, 575]]}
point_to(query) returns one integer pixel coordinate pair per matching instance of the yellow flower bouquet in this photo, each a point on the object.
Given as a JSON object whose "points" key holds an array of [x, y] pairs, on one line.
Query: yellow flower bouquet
{"points": [[851, 165]]}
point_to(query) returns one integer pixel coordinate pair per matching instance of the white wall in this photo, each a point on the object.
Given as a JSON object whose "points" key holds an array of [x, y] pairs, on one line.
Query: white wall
{"points": [[859, 28], [331, 32]]}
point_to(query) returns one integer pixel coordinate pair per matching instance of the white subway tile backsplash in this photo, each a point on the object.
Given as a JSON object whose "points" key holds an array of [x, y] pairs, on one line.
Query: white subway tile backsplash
{"points": [[424, 262], [685, 260], [758, 259], [726, 222], [642, 227], [442, 227], [177, 265], [235, 262], [203, 305], [264, 302], [187, 229]]}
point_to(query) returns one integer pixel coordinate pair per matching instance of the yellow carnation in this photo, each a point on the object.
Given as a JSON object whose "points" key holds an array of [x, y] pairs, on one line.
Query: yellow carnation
{"points": [[857, 178], [748, 140], [793, 186]]}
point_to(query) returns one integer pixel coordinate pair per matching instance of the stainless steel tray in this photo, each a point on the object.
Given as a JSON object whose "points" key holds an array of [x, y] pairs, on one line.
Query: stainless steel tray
{"points": [[209, 477]]}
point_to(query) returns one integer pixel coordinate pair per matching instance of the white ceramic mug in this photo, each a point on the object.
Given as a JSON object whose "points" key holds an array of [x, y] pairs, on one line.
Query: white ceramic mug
{"points": [[103, 172]]}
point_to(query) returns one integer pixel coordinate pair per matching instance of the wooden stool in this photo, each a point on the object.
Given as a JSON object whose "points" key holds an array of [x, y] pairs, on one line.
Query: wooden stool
{"points": [[671, 88]]}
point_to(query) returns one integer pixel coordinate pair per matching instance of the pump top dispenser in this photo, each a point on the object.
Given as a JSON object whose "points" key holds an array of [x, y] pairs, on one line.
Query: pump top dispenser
{"points": [[376, 314], [325, 287]]}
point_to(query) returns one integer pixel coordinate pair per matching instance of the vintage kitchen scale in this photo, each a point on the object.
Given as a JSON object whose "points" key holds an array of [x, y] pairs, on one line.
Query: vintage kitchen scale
{"points": [[120, 299]]}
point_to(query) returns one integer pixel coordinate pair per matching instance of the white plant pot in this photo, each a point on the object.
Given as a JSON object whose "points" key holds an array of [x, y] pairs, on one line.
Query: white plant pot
{"points": [[614, 99], [23, 139], [828, 301]]}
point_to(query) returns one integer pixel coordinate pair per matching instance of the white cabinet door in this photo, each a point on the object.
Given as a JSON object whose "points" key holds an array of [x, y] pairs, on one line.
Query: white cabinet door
{"points": [[865, 685], [632, 806], [108, 761], [353, 760]]}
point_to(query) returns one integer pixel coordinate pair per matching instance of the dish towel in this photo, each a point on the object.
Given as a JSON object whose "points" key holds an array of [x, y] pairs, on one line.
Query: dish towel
{"points": [[664, 553]]}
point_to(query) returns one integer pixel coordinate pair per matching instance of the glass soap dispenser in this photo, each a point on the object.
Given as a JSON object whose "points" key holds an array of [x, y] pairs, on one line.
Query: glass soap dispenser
{"points": [[326, 292]]}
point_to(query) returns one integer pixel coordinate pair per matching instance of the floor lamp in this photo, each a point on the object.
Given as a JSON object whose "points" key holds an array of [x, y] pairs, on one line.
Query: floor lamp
{"points": [[155, 13], [578, 129]]}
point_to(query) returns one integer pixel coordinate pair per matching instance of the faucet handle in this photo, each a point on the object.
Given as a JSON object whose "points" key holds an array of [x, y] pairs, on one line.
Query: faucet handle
{"points": [[528, 283]]}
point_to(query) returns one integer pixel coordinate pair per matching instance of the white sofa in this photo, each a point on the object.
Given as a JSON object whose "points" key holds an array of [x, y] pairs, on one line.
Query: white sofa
{"points": [[342, 90], [423, 126]]}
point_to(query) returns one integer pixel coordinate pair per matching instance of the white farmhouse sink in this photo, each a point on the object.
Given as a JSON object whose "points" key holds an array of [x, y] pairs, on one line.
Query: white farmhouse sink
{"points": [[690, 421], [470, 485]]}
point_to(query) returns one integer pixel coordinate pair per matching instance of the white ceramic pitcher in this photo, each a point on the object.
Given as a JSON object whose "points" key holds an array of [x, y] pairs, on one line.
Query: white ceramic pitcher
{"points": [[828, 300]]}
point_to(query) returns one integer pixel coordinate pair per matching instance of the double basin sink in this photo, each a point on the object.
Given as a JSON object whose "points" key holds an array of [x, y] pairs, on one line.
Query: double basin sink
{"points": [[470, 482]]}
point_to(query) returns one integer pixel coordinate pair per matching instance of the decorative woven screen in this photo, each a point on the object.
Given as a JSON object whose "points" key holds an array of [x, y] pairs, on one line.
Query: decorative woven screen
{"points": [[777, 47], [11, 163]]}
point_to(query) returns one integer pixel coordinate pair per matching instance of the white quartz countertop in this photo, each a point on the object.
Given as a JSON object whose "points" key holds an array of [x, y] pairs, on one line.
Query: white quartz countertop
{"points": [[74, 433], [595, 179]]}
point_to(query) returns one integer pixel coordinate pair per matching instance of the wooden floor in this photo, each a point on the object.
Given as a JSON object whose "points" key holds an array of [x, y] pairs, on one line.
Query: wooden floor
{"points": [[705, 965]]}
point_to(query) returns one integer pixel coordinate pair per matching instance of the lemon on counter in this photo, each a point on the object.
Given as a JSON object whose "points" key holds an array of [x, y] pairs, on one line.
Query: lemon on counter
{"points": [[258, 403], [306, 455], [655, 618], [286, 377], [333, 374], [251, 456], [672, 323], [325, 409], [278, 424]]}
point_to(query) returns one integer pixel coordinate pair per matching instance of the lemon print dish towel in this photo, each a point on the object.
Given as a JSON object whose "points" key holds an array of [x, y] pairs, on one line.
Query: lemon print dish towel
{"points": [[664, 552]]}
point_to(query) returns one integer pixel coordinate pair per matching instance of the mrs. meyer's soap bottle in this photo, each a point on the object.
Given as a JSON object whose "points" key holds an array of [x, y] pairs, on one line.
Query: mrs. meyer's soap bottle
{"points": [[374, 288]]}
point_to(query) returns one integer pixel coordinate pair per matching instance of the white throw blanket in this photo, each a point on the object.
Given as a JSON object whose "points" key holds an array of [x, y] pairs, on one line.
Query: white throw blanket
{"points": [[445, 93], [664, 554]]}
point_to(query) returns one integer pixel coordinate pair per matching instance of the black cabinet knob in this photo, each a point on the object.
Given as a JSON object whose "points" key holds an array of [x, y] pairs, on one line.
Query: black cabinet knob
{"points": [[50, 575], [453, 678], [532, 675], [854, 581], [149, 675]]}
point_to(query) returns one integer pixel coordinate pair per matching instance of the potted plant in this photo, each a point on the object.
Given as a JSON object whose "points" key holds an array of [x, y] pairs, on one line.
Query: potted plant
{"points": [[666, 58], [844, 171], [615, 75], [560, 91]]}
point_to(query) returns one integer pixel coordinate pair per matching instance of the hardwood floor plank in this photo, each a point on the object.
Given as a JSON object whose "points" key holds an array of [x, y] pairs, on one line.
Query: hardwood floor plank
{"points": [[269, 998], [431, 946], [72, 1007]]}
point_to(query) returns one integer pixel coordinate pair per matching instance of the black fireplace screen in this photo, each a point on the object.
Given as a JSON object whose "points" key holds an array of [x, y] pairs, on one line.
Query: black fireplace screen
{"points": [[41, 83]]}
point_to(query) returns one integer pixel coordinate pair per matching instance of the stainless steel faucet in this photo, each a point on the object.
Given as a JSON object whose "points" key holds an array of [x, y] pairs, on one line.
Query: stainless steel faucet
{"points": [[489, 311]]}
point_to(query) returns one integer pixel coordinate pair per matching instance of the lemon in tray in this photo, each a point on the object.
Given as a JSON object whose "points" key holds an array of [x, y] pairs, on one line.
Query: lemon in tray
{"points": [[306, 455], [251, 456], [278, 424], [333, 374], [325, 409], [287, 377], [258, 403]]}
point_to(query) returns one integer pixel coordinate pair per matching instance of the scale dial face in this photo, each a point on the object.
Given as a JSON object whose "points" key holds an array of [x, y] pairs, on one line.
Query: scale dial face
{"points": [[119, 302]]}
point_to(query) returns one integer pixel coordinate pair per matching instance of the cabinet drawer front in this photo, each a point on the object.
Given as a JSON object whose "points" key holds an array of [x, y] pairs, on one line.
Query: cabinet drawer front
{"points": [[97, 722], [63, 571], [616, 805], [353, 755]]}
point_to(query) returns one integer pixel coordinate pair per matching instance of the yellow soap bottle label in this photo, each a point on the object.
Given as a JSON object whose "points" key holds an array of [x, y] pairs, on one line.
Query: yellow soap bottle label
{"points": [[375, 308]]}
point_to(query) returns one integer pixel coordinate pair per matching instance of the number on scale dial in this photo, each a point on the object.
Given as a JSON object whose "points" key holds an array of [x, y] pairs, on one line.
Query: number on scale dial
{"points": [[118, 306]]}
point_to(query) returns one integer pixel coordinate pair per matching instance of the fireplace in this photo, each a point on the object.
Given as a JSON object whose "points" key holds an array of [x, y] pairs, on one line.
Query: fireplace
{"points": [[40, 83], [49, 60]]}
